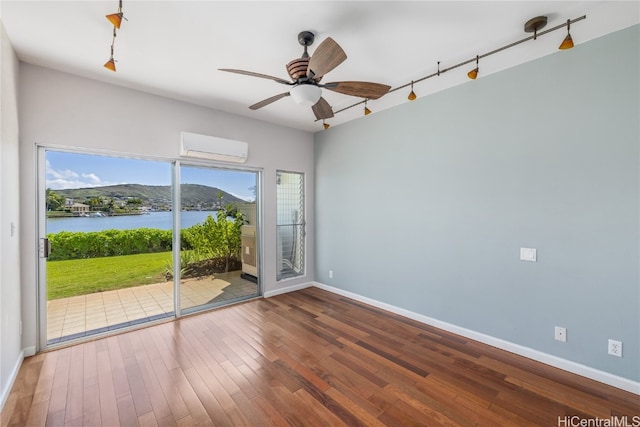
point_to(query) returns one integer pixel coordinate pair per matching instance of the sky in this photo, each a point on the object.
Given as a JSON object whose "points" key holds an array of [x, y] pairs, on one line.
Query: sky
{"points": [[71, 170]]}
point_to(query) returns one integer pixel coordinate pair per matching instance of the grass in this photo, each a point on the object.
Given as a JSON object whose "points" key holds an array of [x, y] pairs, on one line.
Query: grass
{"points": [[86, 276]]}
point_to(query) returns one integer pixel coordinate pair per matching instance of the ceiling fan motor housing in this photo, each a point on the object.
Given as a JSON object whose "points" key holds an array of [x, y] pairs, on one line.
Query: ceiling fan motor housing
{"points": [[297, 68]]}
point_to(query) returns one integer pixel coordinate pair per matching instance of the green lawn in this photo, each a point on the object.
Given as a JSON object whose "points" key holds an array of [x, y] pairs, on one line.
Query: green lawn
{"points": [[86, 276]]}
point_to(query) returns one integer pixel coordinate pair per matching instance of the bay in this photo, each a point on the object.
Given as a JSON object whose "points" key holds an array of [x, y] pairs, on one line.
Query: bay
{"points": [[161, 220]]}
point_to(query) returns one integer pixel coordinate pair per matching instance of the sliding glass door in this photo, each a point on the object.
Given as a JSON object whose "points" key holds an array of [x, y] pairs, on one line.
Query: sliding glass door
{"points": [[107, 241], [218, 237], [105, 244]]}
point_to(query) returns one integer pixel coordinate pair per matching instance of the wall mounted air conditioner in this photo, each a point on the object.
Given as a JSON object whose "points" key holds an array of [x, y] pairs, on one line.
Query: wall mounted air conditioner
{"points": [[213, 148]]}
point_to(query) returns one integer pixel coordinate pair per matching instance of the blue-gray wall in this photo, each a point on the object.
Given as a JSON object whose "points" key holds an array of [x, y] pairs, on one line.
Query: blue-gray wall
{"points": [[425, 206]]}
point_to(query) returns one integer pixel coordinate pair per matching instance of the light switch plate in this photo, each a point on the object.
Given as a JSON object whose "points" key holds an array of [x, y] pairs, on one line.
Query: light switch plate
{"points": [[528, 254]]}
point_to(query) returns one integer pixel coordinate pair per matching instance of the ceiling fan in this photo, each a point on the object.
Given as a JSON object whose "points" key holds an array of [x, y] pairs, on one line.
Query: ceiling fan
{"points": [[306, 73]]}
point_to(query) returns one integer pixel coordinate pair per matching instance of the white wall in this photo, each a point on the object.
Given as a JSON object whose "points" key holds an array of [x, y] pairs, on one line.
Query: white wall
{"points": [[64, 110], [10, 346]]}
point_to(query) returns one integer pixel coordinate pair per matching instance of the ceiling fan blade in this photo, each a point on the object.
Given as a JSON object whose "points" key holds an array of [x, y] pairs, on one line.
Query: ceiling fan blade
{"points": [[322, 109], [251, 73], [268, 101], [327, 56], [367, 90]]}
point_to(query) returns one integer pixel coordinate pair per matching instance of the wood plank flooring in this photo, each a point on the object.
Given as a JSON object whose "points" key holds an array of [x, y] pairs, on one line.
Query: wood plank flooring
{"points": [[308, 358]]}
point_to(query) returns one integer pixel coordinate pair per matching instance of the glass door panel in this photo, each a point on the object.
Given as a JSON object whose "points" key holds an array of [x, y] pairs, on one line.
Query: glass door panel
{"points": [[218, 256], [108, 229]]}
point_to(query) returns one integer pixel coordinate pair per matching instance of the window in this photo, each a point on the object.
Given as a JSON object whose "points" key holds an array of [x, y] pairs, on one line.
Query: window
{"points": [[290, 225]]}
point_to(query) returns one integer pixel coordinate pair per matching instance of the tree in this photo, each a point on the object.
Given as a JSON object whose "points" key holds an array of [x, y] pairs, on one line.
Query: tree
{"points": [[111, 206], [95, 203], [55, 201], [134, 203]]}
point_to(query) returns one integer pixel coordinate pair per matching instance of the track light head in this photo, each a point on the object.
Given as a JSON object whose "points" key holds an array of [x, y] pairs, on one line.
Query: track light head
{"points": [[473, 74], [567, 43], [412, 96], [115, 19], [366, 109], [110, 65]]}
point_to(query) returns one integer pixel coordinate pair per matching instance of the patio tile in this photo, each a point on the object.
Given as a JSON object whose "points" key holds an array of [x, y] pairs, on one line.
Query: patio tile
{"points": [[74, 321], [115, 314], [109, 310]]}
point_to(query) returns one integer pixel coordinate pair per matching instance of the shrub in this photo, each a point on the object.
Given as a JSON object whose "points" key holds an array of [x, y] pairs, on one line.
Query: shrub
{"points": [[216, 238], [77, 245]]}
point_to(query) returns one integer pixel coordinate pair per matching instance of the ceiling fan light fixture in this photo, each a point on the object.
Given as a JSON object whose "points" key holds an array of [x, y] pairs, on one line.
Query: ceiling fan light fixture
{"points": [[306, 94], [325, 125]]}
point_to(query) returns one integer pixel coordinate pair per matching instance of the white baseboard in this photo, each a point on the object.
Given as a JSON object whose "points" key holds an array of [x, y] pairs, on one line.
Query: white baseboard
{"points": [[12, 378], [567, 365], [287, 289]]}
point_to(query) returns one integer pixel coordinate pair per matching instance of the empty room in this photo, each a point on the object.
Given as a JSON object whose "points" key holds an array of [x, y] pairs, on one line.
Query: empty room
{"points": [[313, 213]]}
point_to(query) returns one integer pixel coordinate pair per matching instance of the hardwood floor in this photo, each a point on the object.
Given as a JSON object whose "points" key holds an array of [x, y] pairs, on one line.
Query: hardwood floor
{"points": [[306, 358]]}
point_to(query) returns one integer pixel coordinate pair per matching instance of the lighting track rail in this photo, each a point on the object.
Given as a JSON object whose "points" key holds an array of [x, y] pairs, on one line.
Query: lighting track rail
{"points": [[475, 59]]}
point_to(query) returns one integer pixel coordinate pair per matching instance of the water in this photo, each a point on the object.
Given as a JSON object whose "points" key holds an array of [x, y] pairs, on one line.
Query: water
{"points": [[161, 220]]}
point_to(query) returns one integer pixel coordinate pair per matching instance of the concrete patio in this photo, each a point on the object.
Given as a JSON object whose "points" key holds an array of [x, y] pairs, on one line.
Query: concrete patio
{"points": [[83, 315]]}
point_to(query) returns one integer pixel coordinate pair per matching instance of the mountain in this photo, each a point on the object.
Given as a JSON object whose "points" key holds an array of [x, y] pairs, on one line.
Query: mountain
{"points": [[193, 195]]}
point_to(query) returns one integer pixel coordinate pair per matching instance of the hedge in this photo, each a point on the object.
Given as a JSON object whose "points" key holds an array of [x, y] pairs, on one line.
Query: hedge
{"points": [[78, 245]]}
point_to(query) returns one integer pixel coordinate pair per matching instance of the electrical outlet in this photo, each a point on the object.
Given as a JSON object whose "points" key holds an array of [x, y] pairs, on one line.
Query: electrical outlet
{"points": [[330, 274], [561, 334], [20, 328], [615, 348]]}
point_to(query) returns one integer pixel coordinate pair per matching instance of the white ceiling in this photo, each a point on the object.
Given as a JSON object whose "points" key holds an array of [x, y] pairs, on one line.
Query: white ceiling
{"points": [[174, 48]]}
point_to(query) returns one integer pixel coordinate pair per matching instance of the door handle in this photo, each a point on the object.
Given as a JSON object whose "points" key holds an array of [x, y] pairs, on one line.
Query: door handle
{"points": [[44, 248]]}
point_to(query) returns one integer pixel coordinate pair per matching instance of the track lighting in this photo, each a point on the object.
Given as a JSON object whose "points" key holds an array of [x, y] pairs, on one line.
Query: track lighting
{"points": [[535, 24], [532, 26], [412, 96], [326, 125], [116, 18], [111, 63], [473, 74], [567, 43]]}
